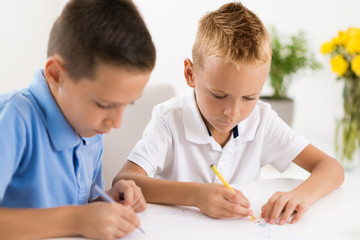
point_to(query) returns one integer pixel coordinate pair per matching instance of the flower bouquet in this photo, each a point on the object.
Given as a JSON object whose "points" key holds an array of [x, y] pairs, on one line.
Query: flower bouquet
{"points": [[344, 51]]}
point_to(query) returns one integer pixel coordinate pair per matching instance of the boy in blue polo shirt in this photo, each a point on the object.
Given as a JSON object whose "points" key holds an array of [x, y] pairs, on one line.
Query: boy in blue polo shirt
{"points": [[100, 56]]}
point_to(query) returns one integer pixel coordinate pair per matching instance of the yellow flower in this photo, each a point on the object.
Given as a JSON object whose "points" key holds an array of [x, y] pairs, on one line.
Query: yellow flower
{"points": [[353, 45], [339, 65], [342, 38], [355, 65], [342, 48], [327, 47], [354, 32]]}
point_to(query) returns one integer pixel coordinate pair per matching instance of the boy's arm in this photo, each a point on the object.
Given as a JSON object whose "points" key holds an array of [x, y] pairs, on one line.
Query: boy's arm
{"points": [[37, 223], [326, 175], [213, 199], [96, 220]]}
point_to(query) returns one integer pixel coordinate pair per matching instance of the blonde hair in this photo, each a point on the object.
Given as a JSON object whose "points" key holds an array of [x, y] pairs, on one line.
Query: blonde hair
{"points": [[233, 33]]}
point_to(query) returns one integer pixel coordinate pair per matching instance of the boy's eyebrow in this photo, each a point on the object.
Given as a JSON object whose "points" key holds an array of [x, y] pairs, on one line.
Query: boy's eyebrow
{"points": [[219, 91], [254, 94], [116, 103], [107, 102], [216, 90]]}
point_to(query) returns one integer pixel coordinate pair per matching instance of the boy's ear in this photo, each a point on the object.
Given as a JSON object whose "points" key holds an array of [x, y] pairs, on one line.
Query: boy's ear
{"points": [[54, 70], [189, 73]]}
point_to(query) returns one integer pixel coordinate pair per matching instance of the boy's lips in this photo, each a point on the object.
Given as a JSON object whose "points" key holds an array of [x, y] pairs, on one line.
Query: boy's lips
{"points": [[226, 123]]}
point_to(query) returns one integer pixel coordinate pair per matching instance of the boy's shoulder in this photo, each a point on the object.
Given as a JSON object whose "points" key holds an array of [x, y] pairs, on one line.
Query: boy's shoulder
{"points": [[177, 105], [15, 102], [169, 106], [17, 115]]}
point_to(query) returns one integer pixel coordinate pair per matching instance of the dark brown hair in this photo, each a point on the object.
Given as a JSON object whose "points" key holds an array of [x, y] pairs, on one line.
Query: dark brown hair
{"points": [[89, 32]]}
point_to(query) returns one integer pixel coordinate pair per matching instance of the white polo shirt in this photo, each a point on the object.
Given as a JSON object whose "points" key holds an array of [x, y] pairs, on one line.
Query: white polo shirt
{"points": [[176, 144]]}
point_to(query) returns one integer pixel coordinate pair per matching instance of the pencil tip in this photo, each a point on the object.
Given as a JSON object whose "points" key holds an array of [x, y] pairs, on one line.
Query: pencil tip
{"points": [[211, 165]]}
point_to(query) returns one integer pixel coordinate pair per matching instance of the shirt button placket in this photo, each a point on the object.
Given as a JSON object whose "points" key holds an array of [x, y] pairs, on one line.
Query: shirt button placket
{"points": [[222, 165]]}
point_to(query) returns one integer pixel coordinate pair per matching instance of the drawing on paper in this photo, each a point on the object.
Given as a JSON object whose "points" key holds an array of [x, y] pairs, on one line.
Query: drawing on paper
{"points": [[188, 222]]}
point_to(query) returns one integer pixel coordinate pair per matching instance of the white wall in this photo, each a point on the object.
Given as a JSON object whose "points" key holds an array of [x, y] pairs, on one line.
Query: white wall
{"points": [[317, 94], [24, 30], [25, 25]]}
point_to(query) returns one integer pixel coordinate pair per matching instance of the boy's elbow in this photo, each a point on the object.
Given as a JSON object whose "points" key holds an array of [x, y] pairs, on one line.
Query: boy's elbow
{"points": [[341, 173], [338, 172]]}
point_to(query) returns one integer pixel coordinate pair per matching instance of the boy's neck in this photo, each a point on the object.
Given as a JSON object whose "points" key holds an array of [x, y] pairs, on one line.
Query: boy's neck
{"points": [[221, 138]]}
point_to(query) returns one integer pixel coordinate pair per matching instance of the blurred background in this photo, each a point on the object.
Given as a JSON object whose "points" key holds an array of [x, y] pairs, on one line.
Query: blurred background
{"points": [[25, 26]]}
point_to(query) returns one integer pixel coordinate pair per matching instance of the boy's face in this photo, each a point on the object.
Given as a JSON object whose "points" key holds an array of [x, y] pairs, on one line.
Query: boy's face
{"points": [[225, 94], [96, 106]]}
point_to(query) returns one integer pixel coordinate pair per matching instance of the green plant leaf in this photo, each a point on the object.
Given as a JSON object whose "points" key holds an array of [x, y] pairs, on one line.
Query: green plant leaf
{"points": [[290, 55]]}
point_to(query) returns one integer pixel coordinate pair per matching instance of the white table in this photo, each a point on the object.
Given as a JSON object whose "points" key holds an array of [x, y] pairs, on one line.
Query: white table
{"points": [[335, 216]]}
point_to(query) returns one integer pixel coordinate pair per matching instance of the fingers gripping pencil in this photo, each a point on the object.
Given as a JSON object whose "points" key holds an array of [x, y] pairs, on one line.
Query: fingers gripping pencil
{"points": [[226, 184], [107, 198]]}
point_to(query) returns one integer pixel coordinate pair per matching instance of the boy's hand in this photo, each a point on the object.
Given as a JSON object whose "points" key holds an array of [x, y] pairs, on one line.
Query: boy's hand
{"points": [[282, 205], [101, 220], [216, 201], [129, 193]]}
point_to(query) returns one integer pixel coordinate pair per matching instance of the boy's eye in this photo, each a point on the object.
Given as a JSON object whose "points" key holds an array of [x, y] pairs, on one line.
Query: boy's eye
{"points": [[103, 106], [218, 96], [250, 98]]}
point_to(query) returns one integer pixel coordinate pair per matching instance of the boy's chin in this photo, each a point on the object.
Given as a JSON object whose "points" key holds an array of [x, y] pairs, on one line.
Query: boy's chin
{"points": [[88, 134], [224, 128]]}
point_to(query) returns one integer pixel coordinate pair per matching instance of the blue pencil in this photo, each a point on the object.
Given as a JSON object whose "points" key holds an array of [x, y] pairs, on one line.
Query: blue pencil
{"points": [[103, 194]]}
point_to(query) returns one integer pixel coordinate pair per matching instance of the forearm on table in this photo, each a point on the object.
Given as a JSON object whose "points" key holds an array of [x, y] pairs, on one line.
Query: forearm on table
{"points": [[37, 223], [325, 177], [163, 191]]}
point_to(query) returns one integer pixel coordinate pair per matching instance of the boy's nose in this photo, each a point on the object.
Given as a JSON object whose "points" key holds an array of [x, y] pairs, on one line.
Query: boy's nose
{"points": [[232, 110], [116, 118], [116, 123]]}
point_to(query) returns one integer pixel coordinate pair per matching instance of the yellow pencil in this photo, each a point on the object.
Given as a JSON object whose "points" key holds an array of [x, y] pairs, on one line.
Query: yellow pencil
{"points": [[226, 184]]}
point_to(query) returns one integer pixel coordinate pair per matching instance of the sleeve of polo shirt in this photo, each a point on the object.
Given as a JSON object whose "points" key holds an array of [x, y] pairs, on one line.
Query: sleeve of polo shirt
{"points": [[281, 144], [155, 146], [12, 143]]}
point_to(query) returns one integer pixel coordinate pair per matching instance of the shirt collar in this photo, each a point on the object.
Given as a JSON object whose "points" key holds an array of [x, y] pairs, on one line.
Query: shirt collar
{"points": [[248, 127], [62, 135], [196, 130]]}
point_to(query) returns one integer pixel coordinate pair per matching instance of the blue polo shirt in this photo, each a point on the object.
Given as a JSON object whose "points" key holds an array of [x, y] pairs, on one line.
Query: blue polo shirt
{"points": [[43, 162]]}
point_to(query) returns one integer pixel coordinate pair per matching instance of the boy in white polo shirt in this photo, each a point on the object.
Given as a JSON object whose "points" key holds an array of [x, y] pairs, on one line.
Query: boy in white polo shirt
{"points": [[221, 121]]}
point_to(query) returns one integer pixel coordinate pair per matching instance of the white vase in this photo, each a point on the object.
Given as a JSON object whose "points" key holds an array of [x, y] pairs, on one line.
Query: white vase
{"points": [[348, 127], [349, 164]]}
